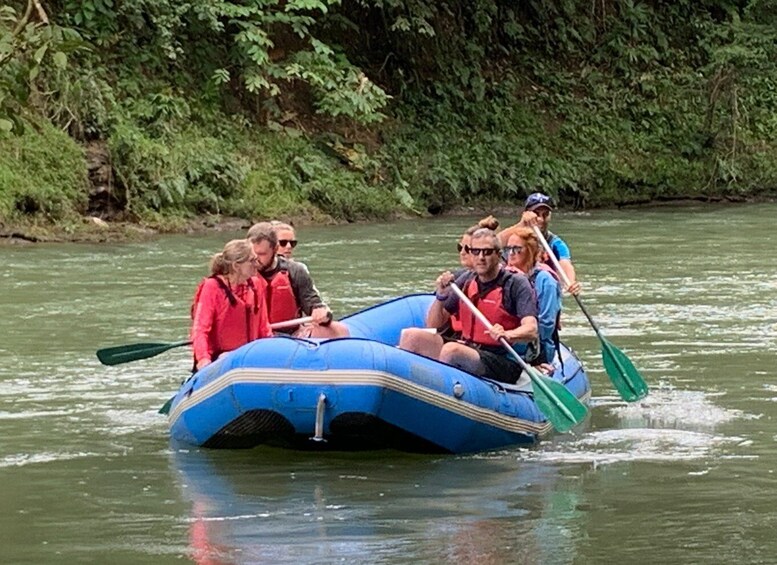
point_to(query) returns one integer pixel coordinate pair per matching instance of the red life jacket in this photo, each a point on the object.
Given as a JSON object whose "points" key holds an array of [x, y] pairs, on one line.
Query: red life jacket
{"points": [[456, 323], [491, 306], [282, 304], [234, 326]]}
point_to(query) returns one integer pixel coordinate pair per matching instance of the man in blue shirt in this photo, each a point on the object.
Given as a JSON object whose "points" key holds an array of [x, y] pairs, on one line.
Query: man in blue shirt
{"points": [[537, 211]]}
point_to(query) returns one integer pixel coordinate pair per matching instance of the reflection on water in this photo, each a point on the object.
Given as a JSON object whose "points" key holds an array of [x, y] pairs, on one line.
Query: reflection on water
{"points": [[389, 506], [87, 473]]}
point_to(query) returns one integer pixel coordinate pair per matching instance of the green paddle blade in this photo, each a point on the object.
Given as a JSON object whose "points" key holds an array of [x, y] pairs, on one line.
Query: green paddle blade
{"points": [[560, 406], [126, 353], [165, 409], [624, 376]]}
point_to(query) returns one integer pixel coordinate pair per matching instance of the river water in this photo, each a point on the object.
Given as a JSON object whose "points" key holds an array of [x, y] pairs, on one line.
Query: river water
{"points": [[87, 473]]}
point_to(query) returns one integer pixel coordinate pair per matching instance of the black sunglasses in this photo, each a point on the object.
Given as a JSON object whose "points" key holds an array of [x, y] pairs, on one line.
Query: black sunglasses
{"points": [[459, 247], [488, 251], [285, 242], [513, 249]]}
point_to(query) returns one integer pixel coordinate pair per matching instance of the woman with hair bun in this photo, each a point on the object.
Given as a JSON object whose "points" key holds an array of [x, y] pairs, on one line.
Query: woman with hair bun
{"points": [[229, 308], [421, 340]]}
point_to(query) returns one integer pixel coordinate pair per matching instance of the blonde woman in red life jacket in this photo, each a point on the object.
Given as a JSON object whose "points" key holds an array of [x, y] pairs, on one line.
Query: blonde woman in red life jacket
{"points": [[525, 254], [229, 308]]}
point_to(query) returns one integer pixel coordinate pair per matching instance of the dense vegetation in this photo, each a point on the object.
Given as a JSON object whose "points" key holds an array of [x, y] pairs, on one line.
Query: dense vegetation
{"points": [[158, 110]]}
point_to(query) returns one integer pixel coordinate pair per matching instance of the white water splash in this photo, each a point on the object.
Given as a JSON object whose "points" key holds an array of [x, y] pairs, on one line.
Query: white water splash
{"points": [[667, 406], [22, 459], [636, 444]]}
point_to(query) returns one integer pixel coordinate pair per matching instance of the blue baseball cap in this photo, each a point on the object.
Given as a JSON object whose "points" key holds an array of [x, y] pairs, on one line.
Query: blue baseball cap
{"points": [[536, 200]]}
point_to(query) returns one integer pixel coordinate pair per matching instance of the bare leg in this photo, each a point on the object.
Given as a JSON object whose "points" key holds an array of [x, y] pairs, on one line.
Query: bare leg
{"points": [[463, 357], [421, 341], [332, 330]]}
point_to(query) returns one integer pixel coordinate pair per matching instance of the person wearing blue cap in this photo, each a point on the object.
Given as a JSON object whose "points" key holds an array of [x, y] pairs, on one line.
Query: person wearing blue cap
{"points": [[537, 211]]}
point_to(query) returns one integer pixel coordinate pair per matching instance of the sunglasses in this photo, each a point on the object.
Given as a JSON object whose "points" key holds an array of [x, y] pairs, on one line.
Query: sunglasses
{"points": [[459, 247], [285, 242], [487, 251], [514, 249]]}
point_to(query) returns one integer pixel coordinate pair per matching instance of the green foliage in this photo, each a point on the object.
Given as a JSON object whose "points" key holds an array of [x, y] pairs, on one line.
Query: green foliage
{"points": [[291, 176], [231, 106], [42, 174], [189, 170], [341, 89], [30, 52]]}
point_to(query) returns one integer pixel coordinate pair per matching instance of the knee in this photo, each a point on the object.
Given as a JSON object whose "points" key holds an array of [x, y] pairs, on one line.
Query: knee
{"points": [[339, 329], [449, 353], [409, 339]]}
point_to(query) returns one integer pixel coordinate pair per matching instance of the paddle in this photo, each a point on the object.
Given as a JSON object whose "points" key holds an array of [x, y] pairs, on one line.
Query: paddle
{"points": [[624, 376], [555, 401], [137, 351]]}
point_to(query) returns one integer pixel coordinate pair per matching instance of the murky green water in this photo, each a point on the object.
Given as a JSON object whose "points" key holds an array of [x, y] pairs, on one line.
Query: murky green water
{"points": [[87, 473]]}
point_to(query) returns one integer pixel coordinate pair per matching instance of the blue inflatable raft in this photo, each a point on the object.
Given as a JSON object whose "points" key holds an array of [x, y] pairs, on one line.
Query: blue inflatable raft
{"points": [[360, 392]]}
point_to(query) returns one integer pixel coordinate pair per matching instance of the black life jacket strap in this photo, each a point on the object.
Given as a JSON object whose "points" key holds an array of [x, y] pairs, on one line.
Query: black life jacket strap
{"points": [[226, 289]]}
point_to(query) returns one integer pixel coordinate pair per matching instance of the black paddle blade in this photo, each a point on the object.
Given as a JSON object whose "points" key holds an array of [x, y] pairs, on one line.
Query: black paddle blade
{"points": [[624, 376], [134, 352], [165, 409]]}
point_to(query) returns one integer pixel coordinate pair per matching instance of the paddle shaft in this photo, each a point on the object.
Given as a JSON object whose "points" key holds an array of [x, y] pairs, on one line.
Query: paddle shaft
{"points": [[291, 323], [564, 277], [134, 352], [624, 373], [536, 378]]}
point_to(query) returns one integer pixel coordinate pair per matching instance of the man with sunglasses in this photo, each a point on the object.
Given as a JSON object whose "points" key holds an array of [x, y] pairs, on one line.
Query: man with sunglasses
{"points": [[291, 292], [505, 298], [537, 211]]}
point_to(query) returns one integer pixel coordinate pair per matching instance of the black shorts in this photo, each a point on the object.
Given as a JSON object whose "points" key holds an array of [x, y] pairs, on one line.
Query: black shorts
{"points": [[448, 334], [499, 366]]}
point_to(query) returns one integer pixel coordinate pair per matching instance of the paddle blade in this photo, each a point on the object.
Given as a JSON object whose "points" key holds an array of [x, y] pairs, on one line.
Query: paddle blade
{"points": [[624, 376], [165, 409], [126, 353], [562, 408]]}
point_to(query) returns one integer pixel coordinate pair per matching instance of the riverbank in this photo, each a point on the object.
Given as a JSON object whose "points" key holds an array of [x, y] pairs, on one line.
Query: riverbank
{"points": [[91, 229]]}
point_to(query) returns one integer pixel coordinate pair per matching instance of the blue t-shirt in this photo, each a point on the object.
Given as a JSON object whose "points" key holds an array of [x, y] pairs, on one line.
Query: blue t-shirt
{"points": [[548, 307], [559, 247]]}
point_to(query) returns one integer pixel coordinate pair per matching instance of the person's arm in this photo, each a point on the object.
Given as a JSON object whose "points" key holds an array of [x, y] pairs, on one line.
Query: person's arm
{"points": [[522, 303], [305, 290], [569, 271], [524, 333], [446, 303], [561, 250], [203, 324], [548, 304], [437, 316]]}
